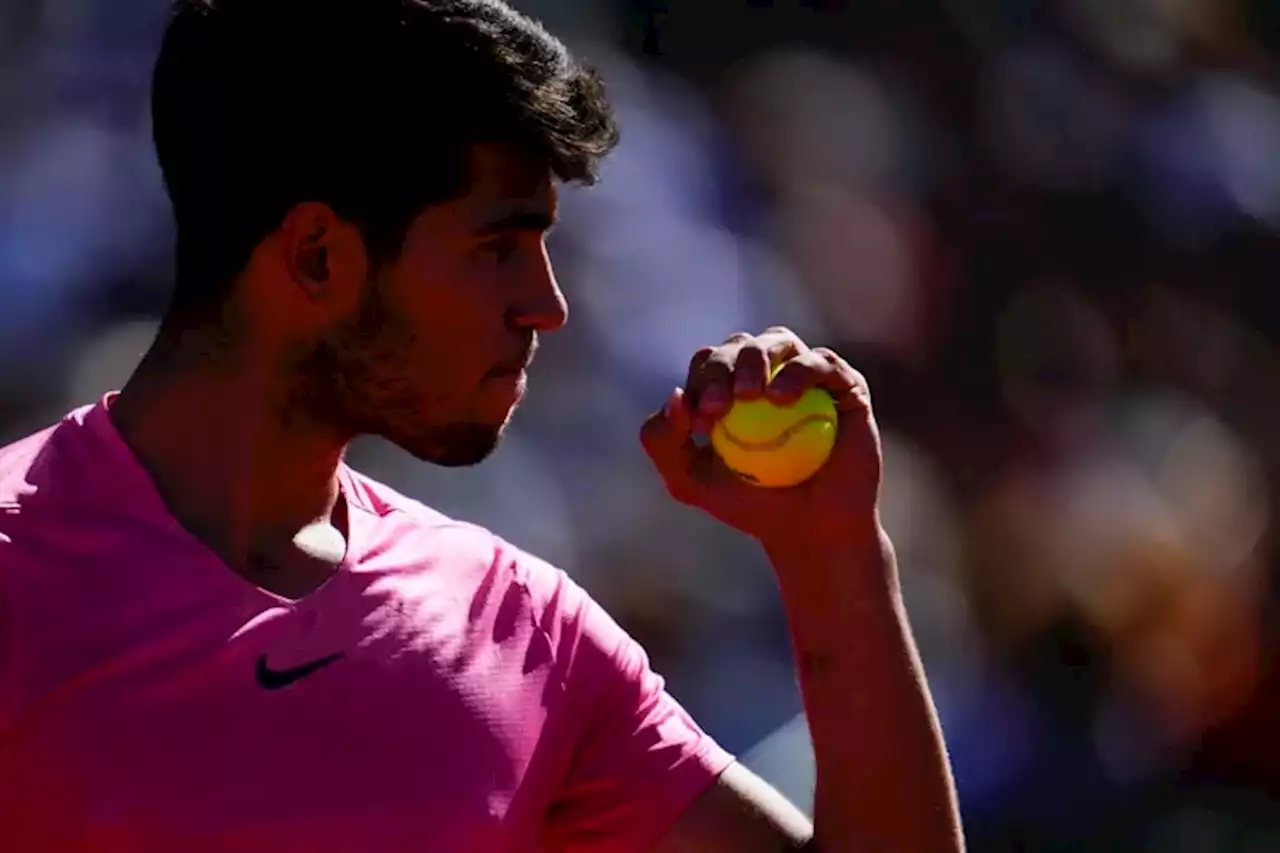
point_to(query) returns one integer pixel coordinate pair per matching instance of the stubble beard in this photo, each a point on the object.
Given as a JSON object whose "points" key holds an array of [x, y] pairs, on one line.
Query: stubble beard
{"points": [[353, 380]]}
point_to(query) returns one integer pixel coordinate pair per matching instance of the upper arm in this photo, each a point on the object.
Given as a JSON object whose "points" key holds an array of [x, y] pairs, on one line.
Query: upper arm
{"points": [[634, 759], [642, 775], [740, 813]]}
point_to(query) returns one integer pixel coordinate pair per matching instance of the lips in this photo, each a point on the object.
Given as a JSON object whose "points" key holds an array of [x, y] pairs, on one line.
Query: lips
{"points": [[505, 371], [514, 366]]}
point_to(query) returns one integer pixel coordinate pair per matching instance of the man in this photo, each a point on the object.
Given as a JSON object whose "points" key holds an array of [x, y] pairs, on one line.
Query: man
{"points": [[215, 636]]}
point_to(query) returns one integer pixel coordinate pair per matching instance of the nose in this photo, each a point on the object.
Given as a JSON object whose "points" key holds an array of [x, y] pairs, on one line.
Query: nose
{"points": [[543, 308]]}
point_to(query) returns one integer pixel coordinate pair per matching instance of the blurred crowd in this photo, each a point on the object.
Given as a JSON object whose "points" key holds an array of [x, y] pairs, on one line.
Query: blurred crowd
{"points": [[1044, 230]]}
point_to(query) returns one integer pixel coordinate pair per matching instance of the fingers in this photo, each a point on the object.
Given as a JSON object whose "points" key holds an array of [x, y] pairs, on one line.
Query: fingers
{"points": [[709, 387], [741, 369], [738, 369], [750, 372], [847, 386], [821, 368], [805, 371], [667, 438]]}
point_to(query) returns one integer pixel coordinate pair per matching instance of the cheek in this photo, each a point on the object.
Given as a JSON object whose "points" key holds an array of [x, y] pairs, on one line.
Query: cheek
{"points": [[457, 323], [451, 307], [416, 353]]}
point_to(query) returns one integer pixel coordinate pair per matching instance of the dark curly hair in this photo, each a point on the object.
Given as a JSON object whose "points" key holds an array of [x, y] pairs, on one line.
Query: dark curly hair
{"points": [[370, 106]]}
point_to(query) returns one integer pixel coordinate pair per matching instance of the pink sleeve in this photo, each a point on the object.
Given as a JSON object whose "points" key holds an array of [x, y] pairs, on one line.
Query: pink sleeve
{"points": [[639, 759], [8, 662]]}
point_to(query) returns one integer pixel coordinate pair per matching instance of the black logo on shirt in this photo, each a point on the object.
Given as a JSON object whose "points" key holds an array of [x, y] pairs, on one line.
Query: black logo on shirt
{"points": [[278, 679]]}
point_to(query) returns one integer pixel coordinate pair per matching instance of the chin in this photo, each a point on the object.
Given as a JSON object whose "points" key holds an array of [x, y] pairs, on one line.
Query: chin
{"points": [[458, 445]]}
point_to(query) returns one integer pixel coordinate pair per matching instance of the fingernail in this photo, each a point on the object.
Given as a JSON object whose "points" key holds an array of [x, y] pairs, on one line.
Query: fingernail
{"points": [[714, 396], [781, 388], [669, 407], [744, 385]]}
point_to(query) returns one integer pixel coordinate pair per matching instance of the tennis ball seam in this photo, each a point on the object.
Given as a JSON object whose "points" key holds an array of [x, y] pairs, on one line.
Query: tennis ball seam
{"points": [[777, 441]]}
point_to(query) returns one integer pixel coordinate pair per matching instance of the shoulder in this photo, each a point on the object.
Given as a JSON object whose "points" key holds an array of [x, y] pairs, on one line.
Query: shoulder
{"points": [[481, 591], [20, 464], [407, 533], [74, 462], [19, 461]]}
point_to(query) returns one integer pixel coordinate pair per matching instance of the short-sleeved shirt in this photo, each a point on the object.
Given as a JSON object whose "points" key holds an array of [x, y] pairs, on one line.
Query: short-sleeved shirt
{"points": [[442, 691]]}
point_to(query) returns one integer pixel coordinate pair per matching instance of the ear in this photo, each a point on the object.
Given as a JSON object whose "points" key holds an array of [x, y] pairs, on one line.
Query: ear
{"points": [[324, 254]]}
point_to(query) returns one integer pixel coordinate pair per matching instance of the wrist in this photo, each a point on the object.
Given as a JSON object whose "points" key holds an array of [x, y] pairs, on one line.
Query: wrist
{"points": [[844, 531], [830, 587], [806, 553]]}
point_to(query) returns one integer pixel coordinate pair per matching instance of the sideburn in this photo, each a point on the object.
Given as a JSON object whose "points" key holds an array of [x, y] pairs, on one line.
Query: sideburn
{"points": [[354, 377]]}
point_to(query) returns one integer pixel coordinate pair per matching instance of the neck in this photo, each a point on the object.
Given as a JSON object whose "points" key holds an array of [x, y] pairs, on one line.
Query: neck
{"points": [[232, 463]]}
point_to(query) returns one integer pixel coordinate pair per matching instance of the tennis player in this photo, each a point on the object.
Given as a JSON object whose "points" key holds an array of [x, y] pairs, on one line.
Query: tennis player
{"points": [[215, 636]]}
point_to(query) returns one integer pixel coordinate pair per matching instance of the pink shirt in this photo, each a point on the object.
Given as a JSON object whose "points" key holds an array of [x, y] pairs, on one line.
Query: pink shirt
{"points": [[442, 692]]}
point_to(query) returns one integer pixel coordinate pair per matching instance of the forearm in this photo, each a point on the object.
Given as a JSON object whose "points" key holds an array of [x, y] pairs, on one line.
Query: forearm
{"points": [[883, 779]]}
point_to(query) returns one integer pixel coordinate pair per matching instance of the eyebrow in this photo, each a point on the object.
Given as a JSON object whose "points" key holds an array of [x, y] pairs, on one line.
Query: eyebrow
{"points": [[524, 220]]}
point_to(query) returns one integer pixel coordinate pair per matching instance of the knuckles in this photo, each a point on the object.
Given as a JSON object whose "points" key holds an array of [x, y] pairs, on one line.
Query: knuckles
{"points": [[713, 366]]}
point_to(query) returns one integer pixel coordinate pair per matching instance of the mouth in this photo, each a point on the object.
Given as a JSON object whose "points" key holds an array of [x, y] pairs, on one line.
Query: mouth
{"points": [[515, 366]]}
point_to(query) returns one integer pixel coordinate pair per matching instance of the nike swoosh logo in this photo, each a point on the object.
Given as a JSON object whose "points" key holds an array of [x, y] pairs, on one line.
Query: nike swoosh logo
{"points": [[278, 679]]}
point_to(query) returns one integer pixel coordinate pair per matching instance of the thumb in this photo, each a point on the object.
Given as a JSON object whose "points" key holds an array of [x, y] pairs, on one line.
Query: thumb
{"points": [[667, 438]]}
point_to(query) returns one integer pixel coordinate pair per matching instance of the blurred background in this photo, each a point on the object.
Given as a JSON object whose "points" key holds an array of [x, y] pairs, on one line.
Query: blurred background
{"points": [[1046, 231]]}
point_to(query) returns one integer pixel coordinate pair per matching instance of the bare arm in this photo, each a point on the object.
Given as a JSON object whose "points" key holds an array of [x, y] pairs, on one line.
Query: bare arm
{"points": [[741, 813], [884, 782]]}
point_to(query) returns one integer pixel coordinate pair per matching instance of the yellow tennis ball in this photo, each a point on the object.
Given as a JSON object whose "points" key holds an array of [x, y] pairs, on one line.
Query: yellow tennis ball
{"points": [[777, 446]]}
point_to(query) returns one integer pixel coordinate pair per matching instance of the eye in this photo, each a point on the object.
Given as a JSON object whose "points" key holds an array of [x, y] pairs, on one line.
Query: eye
{"points": [[500, 249]]}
